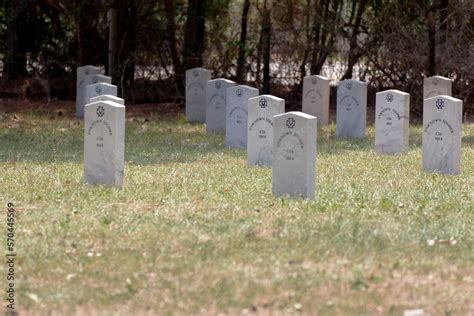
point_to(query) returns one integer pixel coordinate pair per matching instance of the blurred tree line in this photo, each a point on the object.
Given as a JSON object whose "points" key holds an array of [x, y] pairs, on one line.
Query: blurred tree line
{"points": [[146, 45]]}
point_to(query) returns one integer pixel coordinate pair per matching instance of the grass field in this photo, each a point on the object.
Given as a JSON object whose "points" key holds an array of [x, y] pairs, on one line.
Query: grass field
{"points": [[195, 230]]}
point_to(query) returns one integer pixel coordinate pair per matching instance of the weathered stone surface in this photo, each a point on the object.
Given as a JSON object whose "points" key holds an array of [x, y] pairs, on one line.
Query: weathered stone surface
{"points": [[104, 143], [392, 117], [351, 109], [101, 78], [316, 97], [236, 115], [436, 85], [196, 83], [294, 155], [101, 88], [261, 111], [216, 94], [84, 77], [442, 124]]}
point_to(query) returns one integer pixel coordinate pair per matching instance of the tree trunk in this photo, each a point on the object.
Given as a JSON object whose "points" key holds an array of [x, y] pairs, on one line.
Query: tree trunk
{"points": [[266, 34], [431, 43], [354, 50], [171, 38], [240, 76], [194, 36], [112, 20], [308, 41], [14, 60]]}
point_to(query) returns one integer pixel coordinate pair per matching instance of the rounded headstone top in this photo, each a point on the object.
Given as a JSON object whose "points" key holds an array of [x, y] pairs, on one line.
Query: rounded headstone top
{"points": [[436, 79], [444, 97], [240, 89], [393, 91], [196, 72], [350, 83], [266, 97], [314, 79], [297, 114], [105, 104]]}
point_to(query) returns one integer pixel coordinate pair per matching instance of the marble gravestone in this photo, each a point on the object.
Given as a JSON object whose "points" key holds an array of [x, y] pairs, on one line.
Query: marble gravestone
{"points": [[442, 123], [236, 115], [392, 119], [104, 141], [261, 111], [351, 109], [316, 97], [196, 83], [107, 97], [101, 78], [294, 154], [216, 93], [84, 78], [436, 85], [98, 89]]}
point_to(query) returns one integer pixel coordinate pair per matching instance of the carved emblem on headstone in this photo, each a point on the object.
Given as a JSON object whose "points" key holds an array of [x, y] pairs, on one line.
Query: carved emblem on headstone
{"points": [[290, 122], [440, 103], [389, 97], [98, 89], [314, 80], [262, 103], [435, 82], [100, 111], [218, 85], [87, 71], [195, 73], [238, 92], [349, 86]]}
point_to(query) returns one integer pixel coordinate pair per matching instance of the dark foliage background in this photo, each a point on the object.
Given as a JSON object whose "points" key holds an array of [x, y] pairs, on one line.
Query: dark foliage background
{"points": [[146, 45]]}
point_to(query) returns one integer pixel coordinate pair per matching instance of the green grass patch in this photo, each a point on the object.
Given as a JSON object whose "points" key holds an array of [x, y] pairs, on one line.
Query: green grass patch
{"points": [[196, 230]]}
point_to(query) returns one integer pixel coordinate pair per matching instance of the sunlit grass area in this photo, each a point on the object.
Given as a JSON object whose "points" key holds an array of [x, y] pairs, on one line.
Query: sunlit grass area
{"points": [[195, 230]]}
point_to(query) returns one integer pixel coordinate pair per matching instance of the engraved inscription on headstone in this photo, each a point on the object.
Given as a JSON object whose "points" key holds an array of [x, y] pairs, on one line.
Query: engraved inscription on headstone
{"points": [[392, 110], [236, 115], [84, 77], [261, 111], [196, 83], [316, 97], [436, 85], [104, 141], [442, 122], [216, 94], [98, 89], [294, 154], [351, 109]]}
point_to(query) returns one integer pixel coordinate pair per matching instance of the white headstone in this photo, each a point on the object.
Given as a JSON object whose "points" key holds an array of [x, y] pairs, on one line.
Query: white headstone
{"points": [[392, 119], [442, 123], [104, 143], [436, 85], [261, 111], [236, 115], [196, 82], [351, 108], [316, 97], [101, 78], [83, 79], [294, 154], [101, 88], [107, 97], [216, 94]]}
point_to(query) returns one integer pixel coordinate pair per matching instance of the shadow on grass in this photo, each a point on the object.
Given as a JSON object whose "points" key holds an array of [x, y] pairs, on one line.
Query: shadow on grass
{"points": [[141, 147], [155, 143]]}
